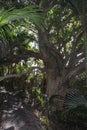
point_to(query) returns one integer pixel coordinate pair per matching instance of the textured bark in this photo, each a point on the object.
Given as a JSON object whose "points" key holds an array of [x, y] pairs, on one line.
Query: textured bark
{"points": [[54, 66], [54, 84]]}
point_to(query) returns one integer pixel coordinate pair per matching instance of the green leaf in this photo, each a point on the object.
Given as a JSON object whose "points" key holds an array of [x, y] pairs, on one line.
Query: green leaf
{"points": [[74, 100], [30, 12]]}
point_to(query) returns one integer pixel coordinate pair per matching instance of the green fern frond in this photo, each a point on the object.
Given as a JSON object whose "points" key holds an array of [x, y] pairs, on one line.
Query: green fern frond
{"points": [[30, 12]]}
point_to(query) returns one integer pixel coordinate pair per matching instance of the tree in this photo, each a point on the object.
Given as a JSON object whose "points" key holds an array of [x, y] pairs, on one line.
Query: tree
{"points": [[80, 9], [61, 64], [60, 45]]}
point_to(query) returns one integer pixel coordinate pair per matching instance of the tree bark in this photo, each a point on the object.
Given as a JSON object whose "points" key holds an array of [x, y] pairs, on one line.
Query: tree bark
{"points": [[54, 66], [54, 83]]}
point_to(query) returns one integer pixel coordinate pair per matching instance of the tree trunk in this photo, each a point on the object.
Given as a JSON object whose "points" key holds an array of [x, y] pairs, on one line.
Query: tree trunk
{"points": [[54, 84], [54, 66]]}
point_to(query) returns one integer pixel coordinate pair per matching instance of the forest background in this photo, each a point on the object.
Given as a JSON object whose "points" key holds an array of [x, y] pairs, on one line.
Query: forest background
{"points": [[43, 58]]}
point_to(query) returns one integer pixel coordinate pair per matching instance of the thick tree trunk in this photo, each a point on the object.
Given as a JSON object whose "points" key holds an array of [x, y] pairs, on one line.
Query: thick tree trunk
{"points": [[54, 66], [54, 84]]}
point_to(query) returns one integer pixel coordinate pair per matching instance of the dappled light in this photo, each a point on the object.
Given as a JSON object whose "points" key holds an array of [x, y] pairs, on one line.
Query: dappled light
{"points": [[43, 65]]}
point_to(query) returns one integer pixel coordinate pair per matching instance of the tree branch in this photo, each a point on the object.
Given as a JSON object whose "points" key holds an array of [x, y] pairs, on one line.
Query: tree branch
{"points": [[18, 57], [51, 5], [74, 51], [20, 74], [75, 70]]}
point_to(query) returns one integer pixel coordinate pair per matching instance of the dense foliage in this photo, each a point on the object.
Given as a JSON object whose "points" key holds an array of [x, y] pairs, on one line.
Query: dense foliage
{"points": [[43, 51]]}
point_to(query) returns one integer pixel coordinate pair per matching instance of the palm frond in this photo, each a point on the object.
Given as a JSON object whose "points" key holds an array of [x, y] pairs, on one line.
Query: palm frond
{"points": [[31, 12], [74, 100]]}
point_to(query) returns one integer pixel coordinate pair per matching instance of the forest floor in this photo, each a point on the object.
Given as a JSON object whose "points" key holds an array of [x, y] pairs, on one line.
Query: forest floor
{"points": [[15, 117]]}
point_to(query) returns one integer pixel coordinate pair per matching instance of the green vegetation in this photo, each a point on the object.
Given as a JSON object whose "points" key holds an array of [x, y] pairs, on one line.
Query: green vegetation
{"points": [[43, 59]]}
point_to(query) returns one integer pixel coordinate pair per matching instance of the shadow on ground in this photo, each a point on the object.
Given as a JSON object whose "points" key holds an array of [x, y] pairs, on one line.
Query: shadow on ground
{"points": [[15, 117]]}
